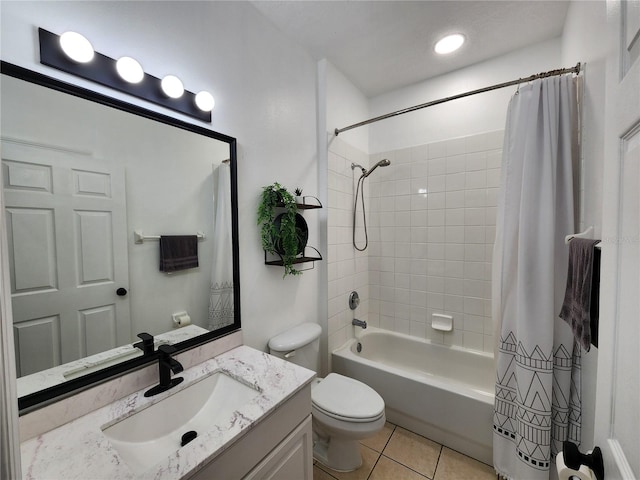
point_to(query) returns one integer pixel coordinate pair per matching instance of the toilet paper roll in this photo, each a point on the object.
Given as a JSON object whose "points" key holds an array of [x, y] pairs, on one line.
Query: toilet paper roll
{"points": [[183, 320], [566, 473]]}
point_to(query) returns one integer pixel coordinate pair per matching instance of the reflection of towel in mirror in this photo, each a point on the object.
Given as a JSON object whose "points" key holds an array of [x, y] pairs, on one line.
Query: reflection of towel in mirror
{"points": [[178, 252], [578, 307], [221, 310]]}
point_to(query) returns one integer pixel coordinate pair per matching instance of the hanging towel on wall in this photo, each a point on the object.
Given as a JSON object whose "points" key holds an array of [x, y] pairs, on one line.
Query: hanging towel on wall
{"points": [[595, 298], [178, 252], [221, 312], [579, 309]]}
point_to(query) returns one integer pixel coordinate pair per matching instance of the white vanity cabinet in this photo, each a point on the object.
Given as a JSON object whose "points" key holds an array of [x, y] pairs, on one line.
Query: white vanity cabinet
{"points": [[266, 437], [280, 447]]}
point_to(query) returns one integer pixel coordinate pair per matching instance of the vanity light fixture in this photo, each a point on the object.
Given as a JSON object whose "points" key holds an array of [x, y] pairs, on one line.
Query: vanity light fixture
{"points": [[205, 101], [449, 44], [172, 86], [76, 47], [129, 69], [125, 75]]}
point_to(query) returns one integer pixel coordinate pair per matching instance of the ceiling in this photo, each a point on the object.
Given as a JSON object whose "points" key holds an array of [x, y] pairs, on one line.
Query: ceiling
{"points": [[385, 45]]}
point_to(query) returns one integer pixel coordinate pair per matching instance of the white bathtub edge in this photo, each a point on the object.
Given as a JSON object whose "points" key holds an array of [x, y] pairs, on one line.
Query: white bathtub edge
{"points": [[455, 415]]}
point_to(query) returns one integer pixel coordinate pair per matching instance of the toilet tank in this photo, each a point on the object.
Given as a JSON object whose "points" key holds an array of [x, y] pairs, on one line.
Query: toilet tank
{"points": [[299, 345]]}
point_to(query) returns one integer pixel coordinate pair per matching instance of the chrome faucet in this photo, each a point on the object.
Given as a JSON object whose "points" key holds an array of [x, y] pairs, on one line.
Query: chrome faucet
{"points": [[166, 365], [359, 323]]}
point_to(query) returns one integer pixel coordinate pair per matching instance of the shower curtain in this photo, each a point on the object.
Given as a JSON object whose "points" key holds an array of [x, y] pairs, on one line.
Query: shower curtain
{"points": [[221, 296], [537, 396]]}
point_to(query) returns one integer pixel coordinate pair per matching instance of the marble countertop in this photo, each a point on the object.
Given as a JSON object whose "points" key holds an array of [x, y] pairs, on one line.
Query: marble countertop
{"points": [[79, 449], [56, 375]]}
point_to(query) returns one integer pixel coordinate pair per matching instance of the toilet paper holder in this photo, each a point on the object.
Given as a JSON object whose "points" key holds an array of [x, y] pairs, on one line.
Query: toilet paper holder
{"points": [[572, 458], [181, 319]]}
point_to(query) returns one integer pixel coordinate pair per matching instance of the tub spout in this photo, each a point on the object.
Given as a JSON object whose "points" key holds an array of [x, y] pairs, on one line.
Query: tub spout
{"points": [[359, 323]]}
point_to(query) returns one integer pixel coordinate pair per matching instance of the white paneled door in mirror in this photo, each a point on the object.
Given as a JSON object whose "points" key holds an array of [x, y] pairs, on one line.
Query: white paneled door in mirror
{"points": [[617, 412], [66, 227]]}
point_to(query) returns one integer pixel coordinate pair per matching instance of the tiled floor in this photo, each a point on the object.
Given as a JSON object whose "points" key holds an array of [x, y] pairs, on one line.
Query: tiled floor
{"points": [[398, 454]]}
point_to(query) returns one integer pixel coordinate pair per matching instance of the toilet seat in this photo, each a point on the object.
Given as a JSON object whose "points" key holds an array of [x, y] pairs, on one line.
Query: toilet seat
{"points": [[347, 399]]}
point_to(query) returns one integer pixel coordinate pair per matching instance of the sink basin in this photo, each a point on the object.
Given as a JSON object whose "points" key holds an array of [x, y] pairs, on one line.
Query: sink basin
{"points": [[152, 434]]}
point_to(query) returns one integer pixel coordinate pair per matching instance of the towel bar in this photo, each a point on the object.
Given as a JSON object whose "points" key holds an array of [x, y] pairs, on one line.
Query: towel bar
{"points": [[584, 234], [140, 237]]}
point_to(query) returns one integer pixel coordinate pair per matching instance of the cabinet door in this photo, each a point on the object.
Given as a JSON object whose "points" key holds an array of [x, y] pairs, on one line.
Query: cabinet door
{"points": [[290, 460], [278, 447]]}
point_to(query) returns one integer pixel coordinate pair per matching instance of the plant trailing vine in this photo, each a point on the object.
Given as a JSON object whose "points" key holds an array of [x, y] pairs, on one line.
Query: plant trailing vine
{"points": [[281, 241]]}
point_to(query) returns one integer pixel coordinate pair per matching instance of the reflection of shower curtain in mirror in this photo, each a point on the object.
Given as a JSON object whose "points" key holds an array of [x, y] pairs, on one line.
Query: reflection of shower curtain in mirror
{"points": [[221, 297]]}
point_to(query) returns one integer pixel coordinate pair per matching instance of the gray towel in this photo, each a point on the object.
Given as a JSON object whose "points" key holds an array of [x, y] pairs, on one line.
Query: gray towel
{"points": [[178, 252], [576, 309]]}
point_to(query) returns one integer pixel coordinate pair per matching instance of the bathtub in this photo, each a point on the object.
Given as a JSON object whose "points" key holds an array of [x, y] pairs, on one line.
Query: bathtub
{"points": [[443, 393]]}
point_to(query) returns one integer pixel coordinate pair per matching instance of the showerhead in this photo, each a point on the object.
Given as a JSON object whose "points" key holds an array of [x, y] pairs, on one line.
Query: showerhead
{"points": [[357, 165], [382, 163]]}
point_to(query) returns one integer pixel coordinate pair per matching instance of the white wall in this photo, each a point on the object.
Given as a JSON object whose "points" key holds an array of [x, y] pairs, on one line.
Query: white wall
{"points": [[584, 40], [346, 105], [458, 118], [347, 268], [264, 87]]}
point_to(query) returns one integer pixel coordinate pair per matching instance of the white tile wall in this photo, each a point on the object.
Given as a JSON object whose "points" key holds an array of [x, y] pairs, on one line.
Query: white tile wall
{"points": [[349, 268], [431, 217]]}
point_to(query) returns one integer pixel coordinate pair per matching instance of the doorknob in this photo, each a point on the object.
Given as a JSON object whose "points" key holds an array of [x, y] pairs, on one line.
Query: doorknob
{"points": [[121, 292]]}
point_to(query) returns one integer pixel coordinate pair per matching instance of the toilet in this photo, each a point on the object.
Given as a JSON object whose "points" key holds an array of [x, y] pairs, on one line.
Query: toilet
{"points": [[344, 410]]}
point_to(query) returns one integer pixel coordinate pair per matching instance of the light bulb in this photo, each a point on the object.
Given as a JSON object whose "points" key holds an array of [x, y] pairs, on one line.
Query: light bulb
{"points": [[449, 44], [172, 86], [76, 47], [205, 101], [129, 69]]}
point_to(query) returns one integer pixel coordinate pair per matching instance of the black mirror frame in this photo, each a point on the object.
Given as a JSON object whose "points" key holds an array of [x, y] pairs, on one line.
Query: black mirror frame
{"points": [[49, 395]]}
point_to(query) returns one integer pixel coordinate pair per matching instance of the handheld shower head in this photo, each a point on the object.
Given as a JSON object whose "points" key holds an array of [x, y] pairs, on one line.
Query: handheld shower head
{"points": [[382, 163], [360, 190]]}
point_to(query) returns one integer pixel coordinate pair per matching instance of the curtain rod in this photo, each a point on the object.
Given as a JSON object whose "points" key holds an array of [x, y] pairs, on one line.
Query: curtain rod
{"points": [[551, 73]]}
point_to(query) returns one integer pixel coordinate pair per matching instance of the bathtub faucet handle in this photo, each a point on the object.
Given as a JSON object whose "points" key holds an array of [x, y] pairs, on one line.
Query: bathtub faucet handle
{"points": [[359, 323]]}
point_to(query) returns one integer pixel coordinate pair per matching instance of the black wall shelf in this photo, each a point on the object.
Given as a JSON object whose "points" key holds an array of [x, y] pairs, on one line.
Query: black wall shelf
{"points": [[310, 254], [306, 257], [306, 205]]}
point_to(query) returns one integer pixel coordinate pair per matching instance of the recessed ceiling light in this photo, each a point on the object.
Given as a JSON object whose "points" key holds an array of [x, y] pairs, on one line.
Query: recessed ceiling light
{"points": [[449, 44], [129, 69], [76, 47]]}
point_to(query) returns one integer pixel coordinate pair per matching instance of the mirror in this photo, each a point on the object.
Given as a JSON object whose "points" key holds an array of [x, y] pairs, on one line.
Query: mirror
{"points": [[89, 184]]}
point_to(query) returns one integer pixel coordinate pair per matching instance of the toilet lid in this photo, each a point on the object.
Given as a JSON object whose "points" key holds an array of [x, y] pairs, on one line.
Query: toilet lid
{"points": [[345, 397]]}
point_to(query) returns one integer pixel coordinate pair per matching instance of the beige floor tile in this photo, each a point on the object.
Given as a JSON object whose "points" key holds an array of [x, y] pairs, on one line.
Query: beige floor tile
{"points": [[454, 466], [319, 474], [416, 452], [387, 469], [369, 458], [381, 438]]}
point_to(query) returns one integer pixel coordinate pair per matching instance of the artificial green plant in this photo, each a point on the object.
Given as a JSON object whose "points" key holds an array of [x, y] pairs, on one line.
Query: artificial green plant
{"points": [[283, 241]]}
